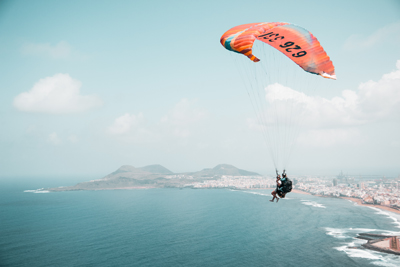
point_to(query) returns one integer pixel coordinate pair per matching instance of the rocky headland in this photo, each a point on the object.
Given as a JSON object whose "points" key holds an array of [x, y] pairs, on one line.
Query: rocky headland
{"points": [[154, 176]]}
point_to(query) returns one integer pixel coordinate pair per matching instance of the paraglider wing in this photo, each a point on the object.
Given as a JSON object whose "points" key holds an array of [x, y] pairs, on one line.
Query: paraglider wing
{"points": [[294, 41], [277, 88]]}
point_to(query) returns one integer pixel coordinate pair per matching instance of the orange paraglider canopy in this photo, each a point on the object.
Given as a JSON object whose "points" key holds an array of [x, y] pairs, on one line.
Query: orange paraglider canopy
{"points": [[294, 41]]}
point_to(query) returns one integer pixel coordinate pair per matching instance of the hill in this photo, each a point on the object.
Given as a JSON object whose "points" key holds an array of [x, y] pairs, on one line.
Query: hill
{"points": [[156, 168], [224, 169], [154, 176]]}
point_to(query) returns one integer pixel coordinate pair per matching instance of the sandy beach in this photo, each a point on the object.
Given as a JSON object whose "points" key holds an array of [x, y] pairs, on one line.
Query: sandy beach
{"points": [[300, 192]]}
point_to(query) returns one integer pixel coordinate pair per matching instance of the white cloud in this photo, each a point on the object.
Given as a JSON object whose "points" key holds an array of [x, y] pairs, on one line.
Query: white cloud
{"points": [[379, 100], [57, 94], [388, 34], [62, 50], [373, 101], [54, 139], [313, 111], [126, 123], [333, 121]]}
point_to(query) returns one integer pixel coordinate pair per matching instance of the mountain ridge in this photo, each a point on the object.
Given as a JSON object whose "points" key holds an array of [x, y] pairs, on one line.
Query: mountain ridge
{"points": [[154, 176]]}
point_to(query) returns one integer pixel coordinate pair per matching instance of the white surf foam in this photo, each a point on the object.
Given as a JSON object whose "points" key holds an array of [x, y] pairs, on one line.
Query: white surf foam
{"points": [[313, 204], [388, 261], [38, 191], [337, 233], [352, 246], [394, 216], [359, 253]]}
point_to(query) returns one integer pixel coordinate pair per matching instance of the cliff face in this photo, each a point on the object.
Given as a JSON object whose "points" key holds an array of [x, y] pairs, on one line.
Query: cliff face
{"points": [[153, 176]]}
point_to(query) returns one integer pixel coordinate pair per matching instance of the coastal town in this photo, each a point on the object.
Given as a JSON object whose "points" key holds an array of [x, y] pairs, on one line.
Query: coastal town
{"points": [[373, 190], [379, 191]]}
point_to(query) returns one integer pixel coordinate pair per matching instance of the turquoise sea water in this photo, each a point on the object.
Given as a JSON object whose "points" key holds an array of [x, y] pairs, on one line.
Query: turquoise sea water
{"points": [[171, 227]]}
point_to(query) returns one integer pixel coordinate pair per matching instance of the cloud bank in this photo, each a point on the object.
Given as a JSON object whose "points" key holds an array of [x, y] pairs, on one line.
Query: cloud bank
{"points": [[59, 94], [337, 120]]}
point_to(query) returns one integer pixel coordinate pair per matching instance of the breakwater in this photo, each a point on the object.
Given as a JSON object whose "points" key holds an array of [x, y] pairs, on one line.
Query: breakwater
{"points": [[381, 243]]}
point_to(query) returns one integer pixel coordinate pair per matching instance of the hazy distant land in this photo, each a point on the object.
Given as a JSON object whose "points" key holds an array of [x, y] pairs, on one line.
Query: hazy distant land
{"points": [[155, 176], [221, 176]]}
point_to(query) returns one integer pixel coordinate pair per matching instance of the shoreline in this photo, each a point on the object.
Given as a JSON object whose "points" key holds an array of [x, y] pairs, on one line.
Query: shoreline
{"points": [[356, 200], [376, 245], [359, 202], [300, 192]]}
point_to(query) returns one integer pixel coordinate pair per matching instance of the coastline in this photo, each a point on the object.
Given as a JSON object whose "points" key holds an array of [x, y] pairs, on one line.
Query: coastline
{"points": [[359, 202], [380, 245], [300, 192], [356, 200]]}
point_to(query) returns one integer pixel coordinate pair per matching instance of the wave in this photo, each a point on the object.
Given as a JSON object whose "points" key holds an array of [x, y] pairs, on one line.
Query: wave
{"points": [[359, 253], [257, 193], [37, 191], [394, 216], [337, 233], [312, 203], [352, 246], [377, 258]]}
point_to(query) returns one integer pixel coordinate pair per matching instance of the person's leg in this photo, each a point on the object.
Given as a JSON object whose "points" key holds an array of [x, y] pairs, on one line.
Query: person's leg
{"points": [[279, 194], [273, 193]]}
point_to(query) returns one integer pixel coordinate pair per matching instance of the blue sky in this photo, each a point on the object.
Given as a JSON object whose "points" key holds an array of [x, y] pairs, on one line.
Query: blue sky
{"points": [[148, 82]]}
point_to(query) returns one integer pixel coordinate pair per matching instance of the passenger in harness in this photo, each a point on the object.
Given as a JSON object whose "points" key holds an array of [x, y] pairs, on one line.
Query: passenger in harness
{"points": [[276, 191], [283, 186]]}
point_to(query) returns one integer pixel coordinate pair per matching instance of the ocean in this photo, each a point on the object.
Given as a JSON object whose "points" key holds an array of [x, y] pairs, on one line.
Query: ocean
{"points": [[172, 227]]}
